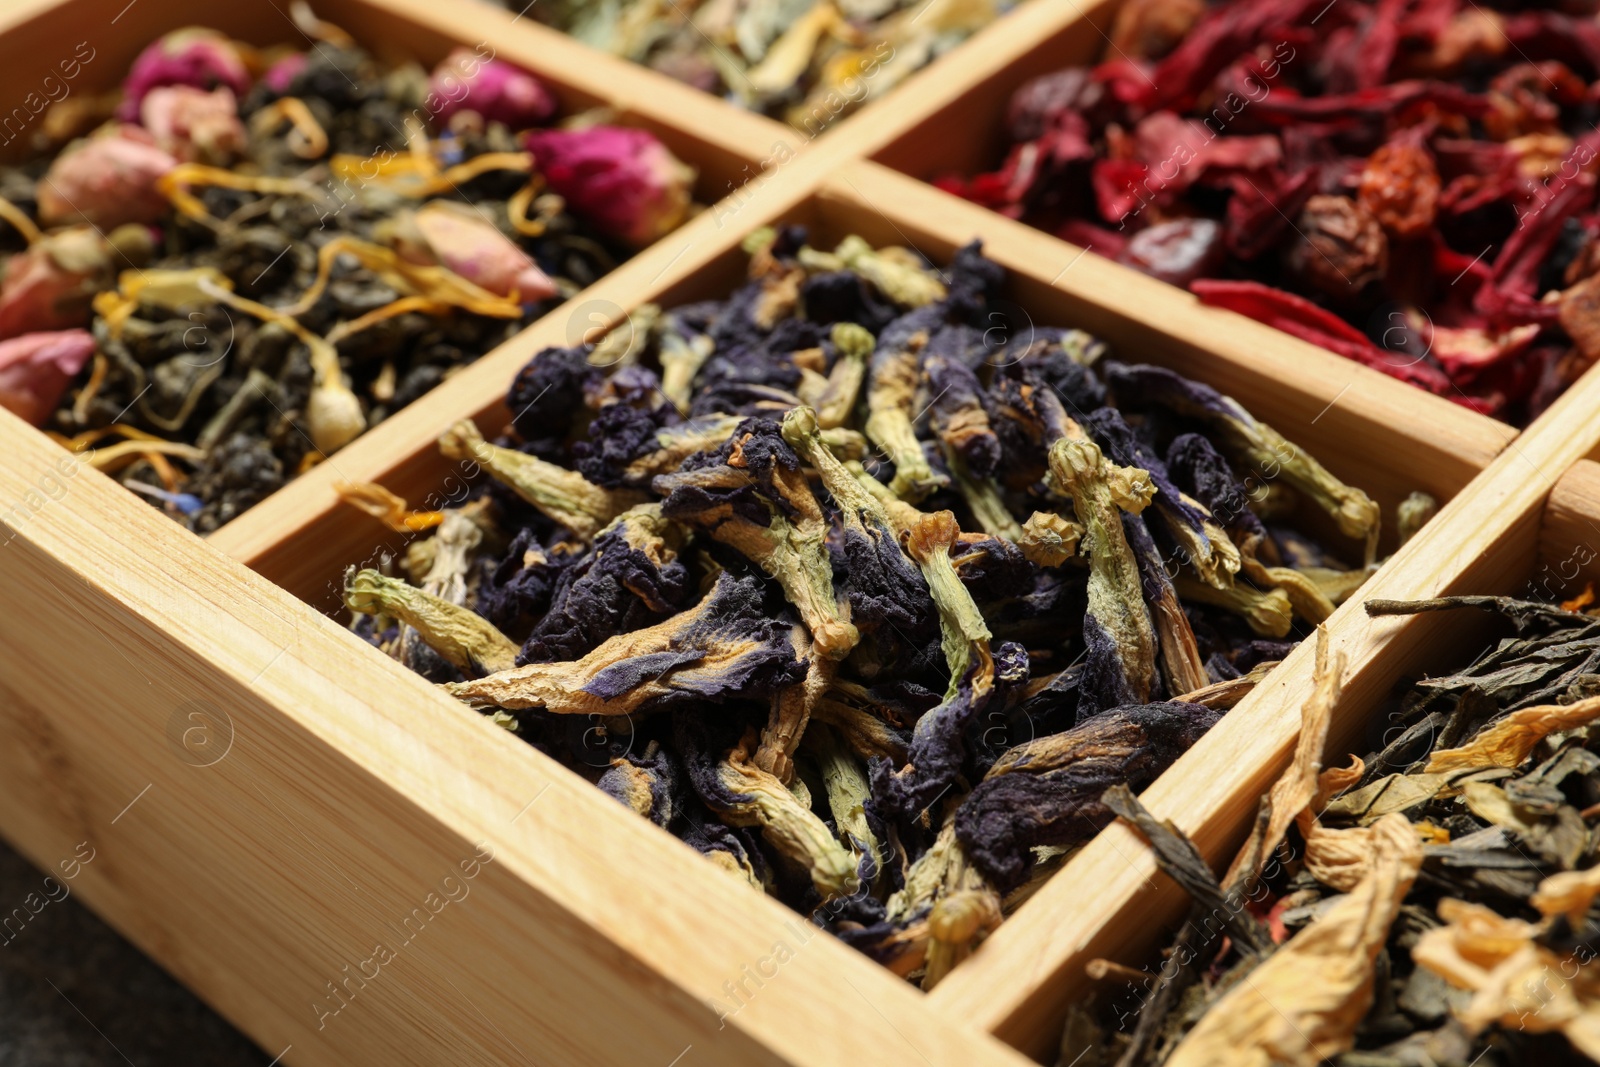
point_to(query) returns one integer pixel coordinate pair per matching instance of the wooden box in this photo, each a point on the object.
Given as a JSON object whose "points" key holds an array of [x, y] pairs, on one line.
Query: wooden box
{"points": [[354, 868]]}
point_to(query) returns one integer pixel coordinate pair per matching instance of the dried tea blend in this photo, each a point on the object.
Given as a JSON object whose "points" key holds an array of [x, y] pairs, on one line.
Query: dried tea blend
{"points": [[1410, 185], [232, 267], [1431, 903], [864, 596], [807, 62]]}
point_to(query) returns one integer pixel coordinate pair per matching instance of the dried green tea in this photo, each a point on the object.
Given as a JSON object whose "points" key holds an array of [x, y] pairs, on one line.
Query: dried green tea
{"points": [[805, 61], [860, 593], [229, 269], [1429, 904]]}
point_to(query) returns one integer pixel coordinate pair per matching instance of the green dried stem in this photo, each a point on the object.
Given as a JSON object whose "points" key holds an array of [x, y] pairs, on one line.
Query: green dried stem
{"points": [[681, 359], [791, 712], [1305, 596], [1274, 455], [802, 430], [838, 400], [897, 274], [1100, 492], [844, 779], [1413, 513], [559, 687], [983, 498], [964, 635], [565, 496], [902, 516], [1048, 540], [891, 399], [464, 638], [677, 443], [1269, 614], [791, 827], [958, 905], [625, 342], [448, 555]]}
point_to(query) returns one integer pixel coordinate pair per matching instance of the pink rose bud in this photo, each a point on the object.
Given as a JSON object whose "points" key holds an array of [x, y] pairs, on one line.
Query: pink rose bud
{"points": [[282, 74], [461, 240], [106, 181], [36, 367], [50, 286], [498, 91], [194, 56], [194, 125], [622, 180]]}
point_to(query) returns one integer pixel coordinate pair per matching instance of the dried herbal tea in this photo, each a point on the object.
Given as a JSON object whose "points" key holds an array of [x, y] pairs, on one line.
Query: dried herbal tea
{"points": [[1430, 905], [1410, 185], [245, 258], [807, 62], [863, 597]]}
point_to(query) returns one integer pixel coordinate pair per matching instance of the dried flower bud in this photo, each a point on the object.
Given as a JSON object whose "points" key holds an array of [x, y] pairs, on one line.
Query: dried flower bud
{"points": [[36, 367], [106, 181], [1048, 539], [281, 75], [461, 240], [193, 125], [1400, 187], [470, 642], [50, 286], [193, 56], [499, 91], [621, 179], [565, 496], [1341, 248]]}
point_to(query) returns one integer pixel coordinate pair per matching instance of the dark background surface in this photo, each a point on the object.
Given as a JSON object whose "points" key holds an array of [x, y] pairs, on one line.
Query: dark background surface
{"points": [[73, 993]]}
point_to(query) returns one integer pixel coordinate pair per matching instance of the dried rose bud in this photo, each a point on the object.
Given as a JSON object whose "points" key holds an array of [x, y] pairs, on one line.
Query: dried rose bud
{"points": [[622, 180], [192, 56], [193, 125], [461, 240], [1341, 247], [498, 91], [1400, 187], [281, 75], [36, 367], [50, 286], [106, 181]]}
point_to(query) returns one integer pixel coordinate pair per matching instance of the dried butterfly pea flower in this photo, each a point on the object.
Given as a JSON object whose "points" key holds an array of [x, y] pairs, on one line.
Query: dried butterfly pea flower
{"points": [[1047, 791], [1256, 442], [1048, 539], [745, 795], [726, 646], [1101, 491], [844, 779], [458, 634], [938, 744], [565, 496], [634, 456], [885, 589], [650, 785], [1183, 669], [752, 496], [893, 381], [1269, 613], [630, 578], [946, 907]]}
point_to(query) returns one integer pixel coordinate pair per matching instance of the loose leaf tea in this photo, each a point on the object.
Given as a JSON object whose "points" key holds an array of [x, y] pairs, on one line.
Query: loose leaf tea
{"points": [[805, 61], [240, 262], [1432, 903], [1408, 184], [867, 600]]}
